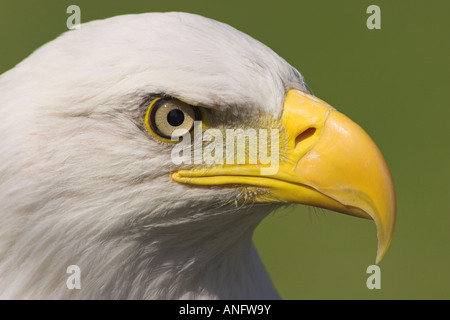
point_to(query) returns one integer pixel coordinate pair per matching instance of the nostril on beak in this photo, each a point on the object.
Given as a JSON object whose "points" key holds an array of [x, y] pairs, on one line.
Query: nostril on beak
{"points": [[305, 135]]}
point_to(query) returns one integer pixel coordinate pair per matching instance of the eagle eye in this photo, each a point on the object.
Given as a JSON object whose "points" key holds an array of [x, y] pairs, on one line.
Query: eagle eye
{"points": [[165, 115]]}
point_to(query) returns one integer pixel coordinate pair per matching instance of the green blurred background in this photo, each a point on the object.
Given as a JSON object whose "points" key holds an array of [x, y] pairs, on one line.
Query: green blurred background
{"points": [[394, 82]]}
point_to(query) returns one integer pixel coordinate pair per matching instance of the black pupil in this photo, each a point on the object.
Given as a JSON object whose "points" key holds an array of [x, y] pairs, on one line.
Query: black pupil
{"points": [[175, 117]]}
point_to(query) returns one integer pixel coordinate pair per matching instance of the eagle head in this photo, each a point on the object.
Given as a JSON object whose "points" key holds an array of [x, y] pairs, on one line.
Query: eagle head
{"points": [[116, 156]]}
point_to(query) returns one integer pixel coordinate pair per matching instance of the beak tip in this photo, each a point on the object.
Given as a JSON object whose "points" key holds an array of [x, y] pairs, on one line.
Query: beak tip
{"points": [[379, 257], [384, 241]]}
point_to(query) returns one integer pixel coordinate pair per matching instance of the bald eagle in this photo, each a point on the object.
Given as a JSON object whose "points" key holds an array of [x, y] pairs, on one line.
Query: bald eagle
{"points": [[88, 129]]}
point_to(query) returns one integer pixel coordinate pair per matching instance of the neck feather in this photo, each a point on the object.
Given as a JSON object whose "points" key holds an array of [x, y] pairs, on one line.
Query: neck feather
{"points": [[211, 257]]}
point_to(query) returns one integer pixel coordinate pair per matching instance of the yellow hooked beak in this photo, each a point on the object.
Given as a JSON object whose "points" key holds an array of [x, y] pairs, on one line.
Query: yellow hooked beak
{"points": [[328, 161]]}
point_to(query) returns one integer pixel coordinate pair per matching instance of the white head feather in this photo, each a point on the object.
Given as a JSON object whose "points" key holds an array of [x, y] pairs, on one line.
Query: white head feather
{"points": [[81, 182]]}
